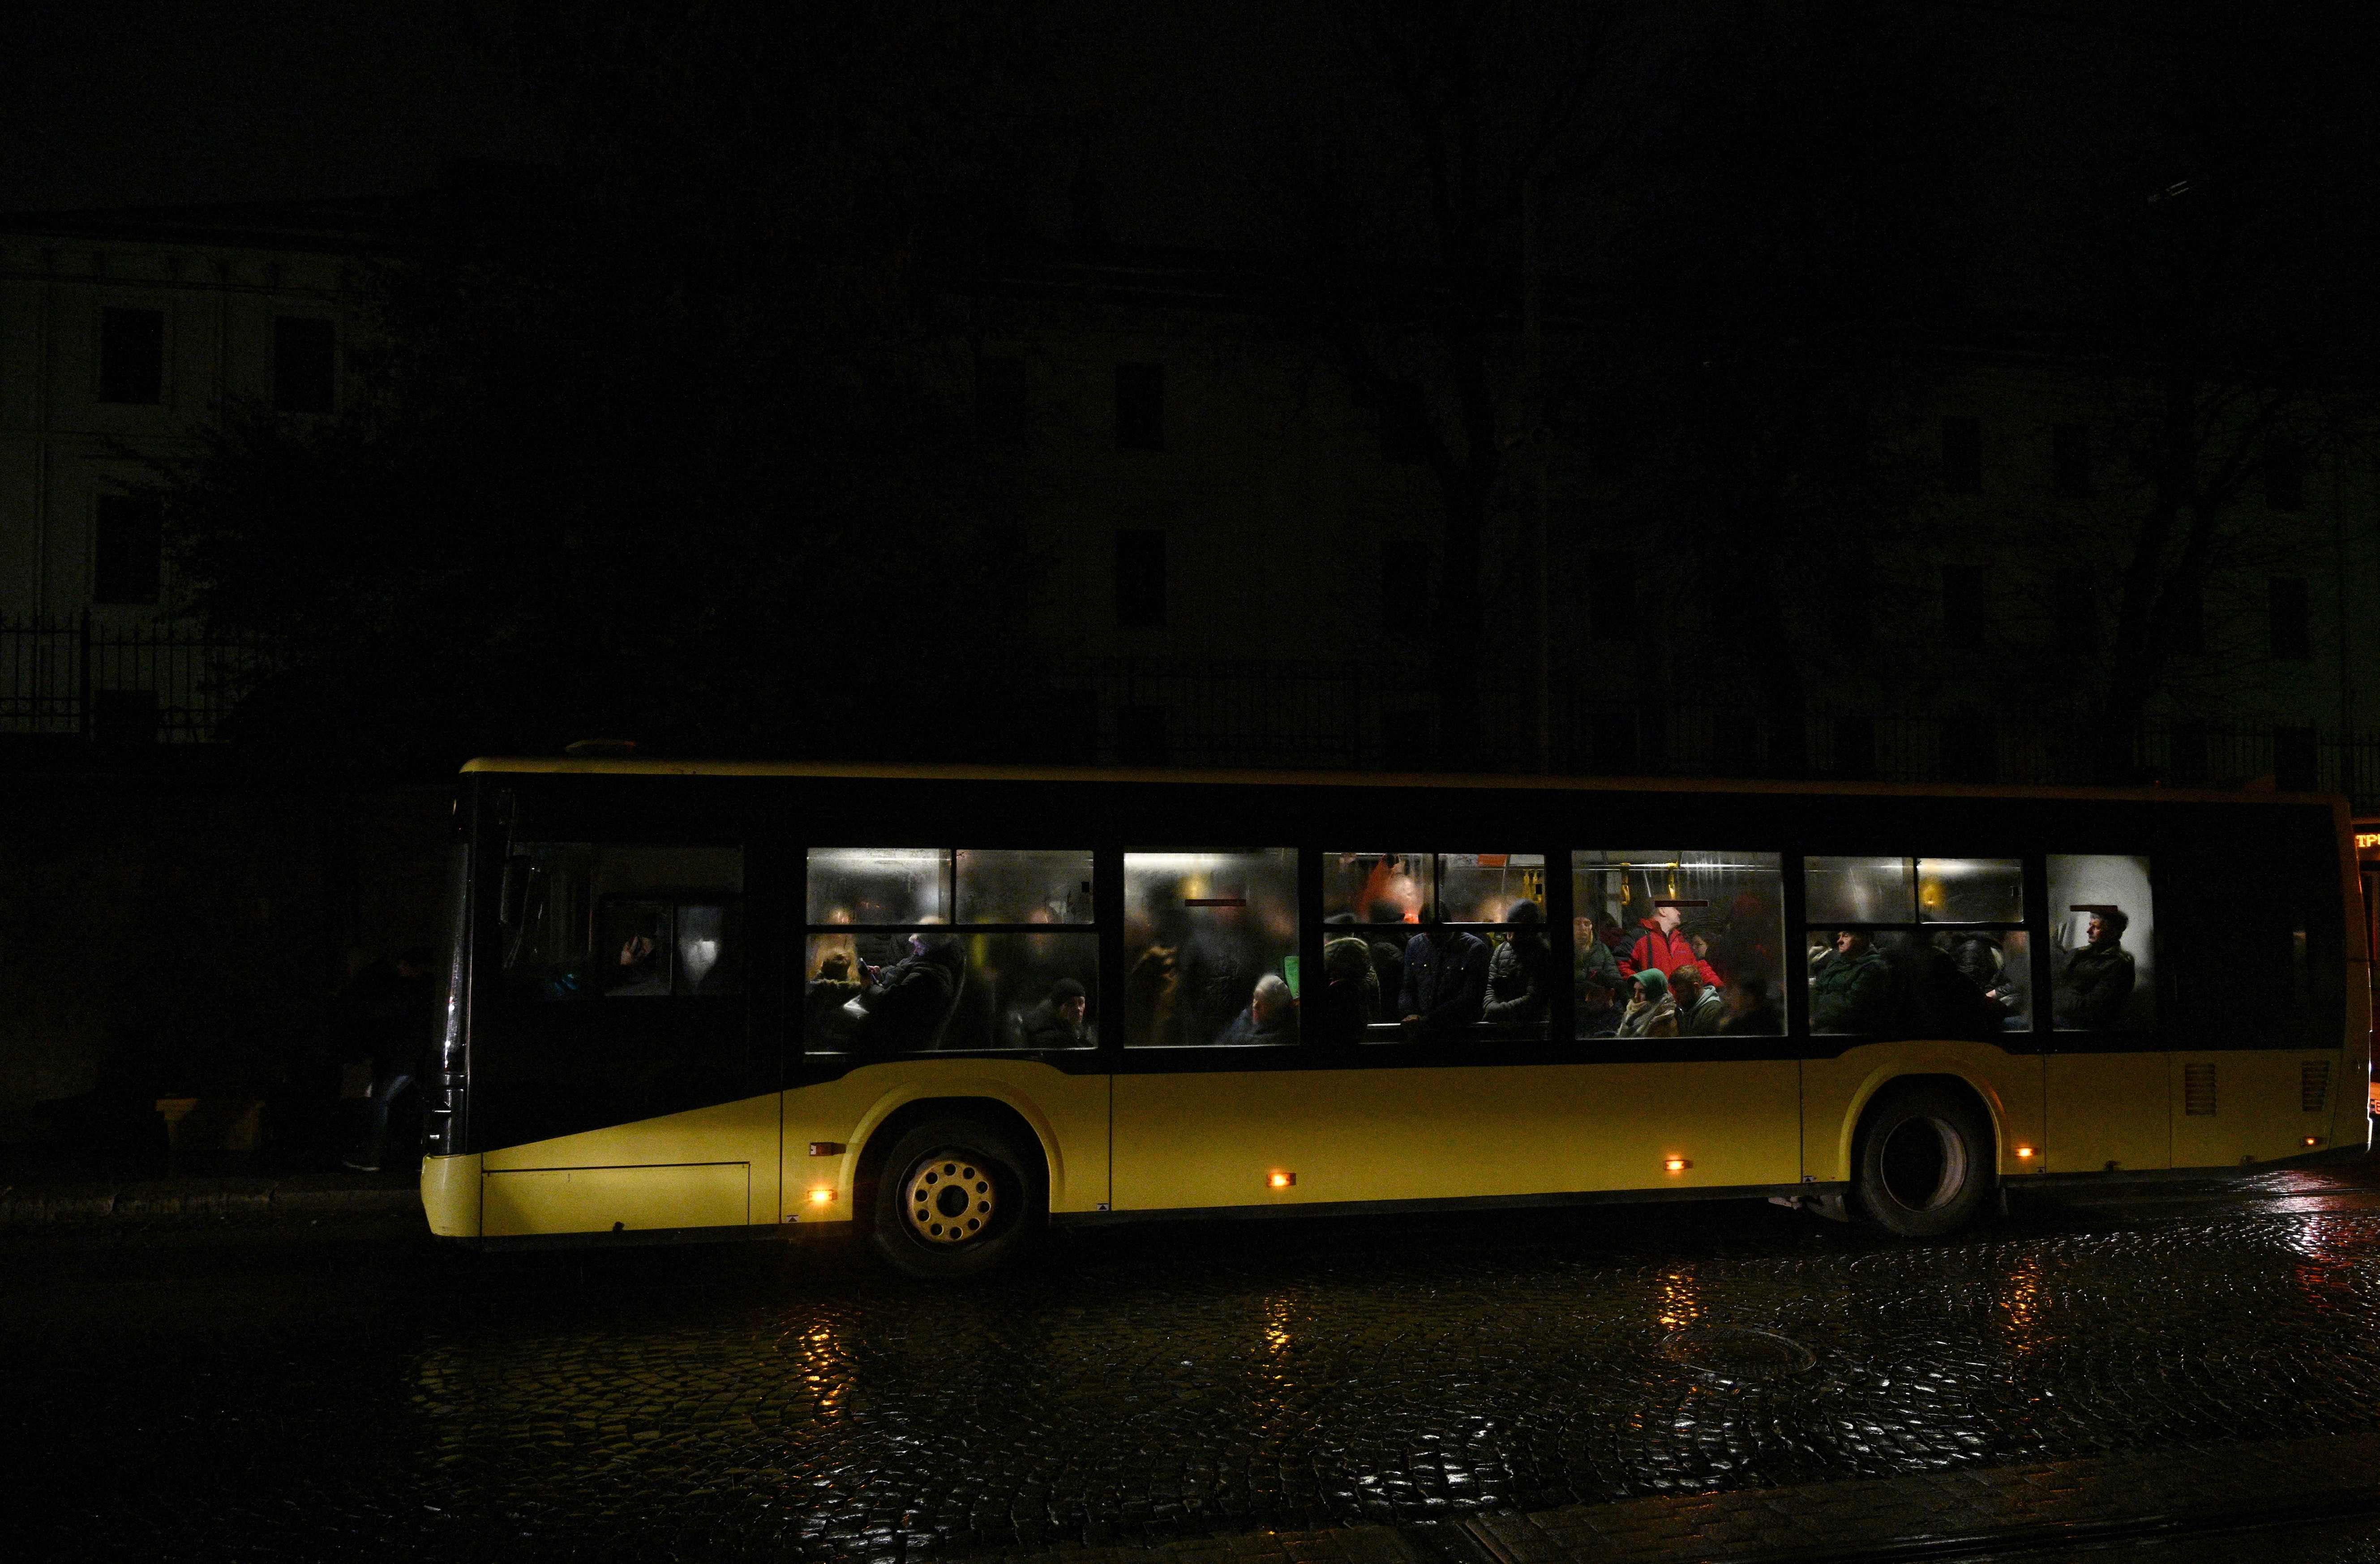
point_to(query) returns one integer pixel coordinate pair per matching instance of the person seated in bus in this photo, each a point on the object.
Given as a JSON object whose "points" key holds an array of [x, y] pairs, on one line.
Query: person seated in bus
{"points": [[1658, 946], [1751, 1009], [1701, 1007], [1213, 971], [1057, 1021], [1651, 1012], [1350, 1000], [2095, 982], [1982, 960], [1934, 997], [1599, 1005], [1272, 1015], [908, 1004], [1516, 971], [1853, 991], [643, 970], [1445, 978]]}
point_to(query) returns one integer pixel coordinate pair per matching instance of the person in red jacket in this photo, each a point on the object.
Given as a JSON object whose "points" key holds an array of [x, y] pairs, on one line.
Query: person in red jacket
{"points": [[1662, 948]]}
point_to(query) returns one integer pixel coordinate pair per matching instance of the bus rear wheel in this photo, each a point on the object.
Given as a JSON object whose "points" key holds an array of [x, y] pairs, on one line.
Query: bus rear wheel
{"points": [[953, 1198], [1925, 1164]]}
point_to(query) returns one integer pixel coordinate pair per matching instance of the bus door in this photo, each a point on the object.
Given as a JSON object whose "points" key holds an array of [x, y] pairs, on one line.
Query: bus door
{"points": [[614, 1086]]}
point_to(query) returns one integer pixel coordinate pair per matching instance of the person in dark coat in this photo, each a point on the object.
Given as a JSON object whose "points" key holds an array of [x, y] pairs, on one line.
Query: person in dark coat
{"points": [[1936, 1000], [1351, 985], [1272, 1015], [2097, 980], [909, 1003], [1516, 971], [1057, 1021], [1388, 953], [1853, 992], [1445, 978], [393, 1006], [1218, 964], [1751, 1009]]}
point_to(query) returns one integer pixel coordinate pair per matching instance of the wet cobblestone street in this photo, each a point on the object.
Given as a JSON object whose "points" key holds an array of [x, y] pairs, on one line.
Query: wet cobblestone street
{"points": [[255, 1397]]}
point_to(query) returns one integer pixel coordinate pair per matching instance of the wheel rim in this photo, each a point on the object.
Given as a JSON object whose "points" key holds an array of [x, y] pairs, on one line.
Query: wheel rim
{"points": [[951, 1198], [1923, 1163]]}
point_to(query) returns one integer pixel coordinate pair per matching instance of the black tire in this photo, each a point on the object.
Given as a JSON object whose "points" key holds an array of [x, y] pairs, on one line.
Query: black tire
{"points": [[1926, 1162], [956, 1198]]}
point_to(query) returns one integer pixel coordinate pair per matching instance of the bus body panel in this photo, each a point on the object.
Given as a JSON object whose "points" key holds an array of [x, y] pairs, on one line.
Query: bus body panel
{"points": [[1836, 1091], [677, 1170], [2106, 1113], [2251, 1104], [518, 1203], [1215, 1139], [450, 1195], [1068, 1114]]}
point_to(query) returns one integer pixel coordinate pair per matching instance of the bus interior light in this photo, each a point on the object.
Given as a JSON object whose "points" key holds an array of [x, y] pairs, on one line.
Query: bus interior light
{"points": [[1281, 1181], [1677, 1164]]}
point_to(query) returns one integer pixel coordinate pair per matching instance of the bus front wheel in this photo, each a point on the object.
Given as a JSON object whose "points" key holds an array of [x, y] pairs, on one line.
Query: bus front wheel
{"points": [[1926, 1163], [953, 1198]]}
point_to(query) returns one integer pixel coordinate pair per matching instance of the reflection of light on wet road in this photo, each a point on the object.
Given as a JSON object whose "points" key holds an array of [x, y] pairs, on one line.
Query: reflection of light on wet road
{"points": [[820, 1357], [1680, 1305], [2021, 1305]]}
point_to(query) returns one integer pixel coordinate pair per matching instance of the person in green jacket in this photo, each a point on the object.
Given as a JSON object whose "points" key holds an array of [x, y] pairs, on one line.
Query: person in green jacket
{"points": [[1853, 992]]}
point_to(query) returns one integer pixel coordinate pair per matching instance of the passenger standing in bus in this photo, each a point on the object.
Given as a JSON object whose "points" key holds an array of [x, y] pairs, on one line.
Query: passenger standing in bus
{"points": [[1351, 989], [1388, 956], [1218, 963], [1751, 1009], [1516, 970], [1445, 978], [1660, 947]]}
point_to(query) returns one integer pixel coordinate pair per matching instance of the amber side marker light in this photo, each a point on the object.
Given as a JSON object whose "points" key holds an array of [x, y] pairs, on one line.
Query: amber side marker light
{"points": [[2313, 1140], [2024, 1154], [1677, 1164], [822, 1197], [1281, 1181]]}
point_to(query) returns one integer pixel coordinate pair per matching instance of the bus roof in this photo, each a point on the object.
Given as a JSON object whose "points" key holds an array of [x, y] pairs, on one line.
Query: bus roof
{"points": [[1178, 776]]}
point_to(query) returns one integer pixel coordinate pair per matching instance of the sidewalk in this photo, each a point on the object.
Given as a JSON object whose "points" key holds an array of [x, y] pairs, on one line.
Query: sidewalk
{"points": [[1964, 1512], [34, 1204]]}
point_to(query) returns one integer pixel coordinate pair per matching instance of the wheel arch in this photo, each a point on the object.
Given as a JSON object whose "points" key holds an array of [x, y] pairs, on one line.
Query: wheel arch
{"points": [[1943, 1074], [894, 1115]]}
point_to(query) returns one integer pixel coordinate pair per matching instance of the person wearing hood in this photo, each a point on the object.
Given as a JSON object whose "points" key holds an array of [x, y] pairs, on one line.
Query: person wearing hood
{"points": [[908, 1004], [1651, 1012], [1516, 972], [1056, 1022]]}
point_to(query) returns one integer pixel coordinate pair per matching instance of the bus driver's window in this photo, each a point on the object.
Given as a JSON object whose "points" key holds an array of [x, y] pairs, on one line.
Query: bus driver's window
{"points": [[1210, 948], [602, 921]]}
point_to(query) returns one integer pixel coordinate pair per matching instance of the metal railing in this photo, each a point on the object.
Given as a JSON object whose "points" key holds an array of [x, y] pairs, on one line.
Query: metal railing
{"points": [[145, 681]]}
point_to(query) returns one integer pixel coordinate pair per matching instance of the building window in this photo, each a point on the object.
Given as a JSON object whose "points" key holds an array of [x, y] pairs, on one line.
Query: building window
{"points": [[2070, 459], [1962, 605], [1140, 580], [1000, 410], [1962, 455], [1140, 406], [1611, 594], [2292, 632], [128, 549], [132, 355], [305, 365], [2284, 473]]}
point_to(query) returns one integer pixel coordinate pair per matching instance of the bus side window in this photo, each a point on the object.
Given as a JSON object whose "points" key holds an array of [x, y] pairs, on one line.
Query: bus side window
{"points": [[1210, 948], [2102, 943], [1669, 943]]}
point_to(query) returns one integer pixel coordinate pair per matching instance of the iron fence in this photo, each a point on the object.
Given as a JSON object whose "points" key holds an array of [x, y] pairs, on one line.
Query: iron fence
{"points": [[146, 682]]}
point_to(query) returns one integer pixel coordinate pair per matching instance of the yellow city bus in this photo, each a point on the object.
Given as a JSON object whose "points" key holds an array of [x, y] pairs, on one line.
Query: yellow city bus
{"points": [[952, 1005]]}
